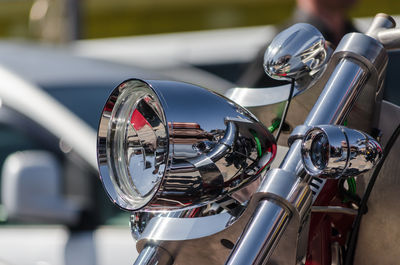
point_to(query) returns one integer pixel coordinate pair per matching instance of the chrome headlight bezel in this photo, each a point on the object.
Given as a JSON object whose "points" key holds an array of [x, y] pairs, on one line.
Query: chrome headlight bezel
{"points": [[122, 102]]}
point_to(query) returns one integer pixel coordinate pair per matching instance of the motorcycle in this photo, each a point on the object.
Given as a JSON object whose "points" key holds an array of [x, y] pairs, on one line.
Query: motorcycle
{"points": [[194, 167]]}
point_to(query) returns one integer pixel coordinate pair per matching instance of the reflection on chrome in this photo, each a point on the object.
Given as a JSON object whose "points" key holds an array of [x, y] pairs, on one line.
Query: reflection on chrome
{"points": [[161, 147], [335, 151], [299, 53]]}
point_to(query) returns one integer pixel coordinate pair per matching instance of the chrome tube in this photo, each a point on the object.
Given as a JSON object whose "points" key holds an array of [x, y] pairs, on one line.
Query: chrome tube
{"points": [[339, 95], [381, 21], [153, 255], [390, 38], [332, 106], [261, 234], [334, 209]]}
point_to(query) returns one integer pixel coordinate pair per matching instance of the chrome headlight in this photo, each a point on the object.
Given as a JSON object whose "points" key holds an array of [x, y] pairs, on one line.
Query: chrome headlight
{"points": [[334, 151], [169, 145]]}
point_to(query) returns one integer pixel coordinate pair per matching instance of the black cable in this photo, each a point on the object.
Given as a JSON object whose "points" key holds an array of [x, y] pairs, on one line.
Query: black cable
{"points": [[349, 258], [285, 111]]}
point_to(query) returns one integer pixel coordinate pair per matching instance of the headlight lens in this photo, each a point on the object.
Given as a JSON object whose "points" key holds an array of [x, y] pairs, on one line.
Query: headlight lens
{"points": [[320, 151], [137, 144]]}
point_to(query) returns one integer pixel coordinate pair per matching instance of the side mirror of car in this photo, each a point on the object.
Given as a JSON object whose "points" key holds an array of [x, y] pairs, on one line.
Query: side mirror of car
{"points": [[32, 191]]}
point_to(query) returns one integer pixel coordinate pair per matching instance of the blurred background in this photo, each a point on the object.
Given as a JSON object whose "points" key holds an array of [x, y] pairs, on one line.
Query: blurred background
{"points": [[60, 20]]}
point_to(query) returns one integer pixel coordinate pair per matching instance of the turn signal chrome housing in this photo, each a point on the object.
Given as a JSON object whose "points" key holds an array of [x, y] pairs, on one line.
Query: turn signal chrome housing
{"points": [[300, 52], [166, 145], [335, 151]]}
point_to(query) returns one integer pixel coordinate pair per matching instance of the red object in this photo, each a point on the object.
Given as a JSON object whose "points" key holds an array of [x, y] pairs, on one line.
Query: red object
{"points": [[272, 150], [138, 121], [326, 228]]}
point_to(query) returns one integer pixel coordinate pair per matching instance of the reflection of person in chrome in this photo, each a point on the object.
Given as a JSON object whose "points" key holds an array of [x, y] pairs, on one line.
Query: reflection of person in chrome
{"points": [[330, 17]]}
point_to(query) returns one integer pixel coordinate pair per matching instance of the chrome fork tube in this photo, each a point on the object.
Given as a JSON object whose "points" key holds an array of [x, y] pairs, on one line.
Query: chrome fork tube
{"points": [[153, 255], [339, 95], [263, 232]]}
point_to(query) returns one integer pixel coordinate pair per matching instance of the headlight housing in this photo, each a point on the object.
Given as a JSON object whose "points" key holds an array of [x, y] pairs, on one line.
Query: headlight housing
{"points": [[167, 145], [335, 151]]}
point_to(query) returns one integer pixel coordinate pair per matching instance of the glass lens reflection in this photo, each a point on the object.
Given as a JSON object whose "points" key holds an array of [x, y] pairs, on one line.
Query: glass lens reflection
{"points": [[320, 151], [138, 149]]}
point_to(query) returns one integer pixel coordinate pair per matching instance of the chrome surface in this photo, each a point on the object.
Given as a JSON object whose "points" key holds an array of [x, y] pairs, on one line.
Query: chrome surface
{"points": [[182, 237], [259, 242], [351, 73], [381, 21], [316, 186], [138, 222], [350, 78], [363, 50], [140, 219], [288, 186], [297, 133], [335, 151], [256, 97], [390, 38], [333, 209], [169, 145], [132, 145], [153, 255], [261, 234], [336, 255], [366, 51], [299, 53], [357, 64], [324, 151], [364, 152], [182, 228]]}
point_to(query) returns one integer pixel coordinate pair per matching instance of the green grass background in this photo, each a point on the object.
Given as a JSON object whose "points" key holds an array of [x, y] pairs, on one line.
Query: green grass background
{"points": [[109, 18]]}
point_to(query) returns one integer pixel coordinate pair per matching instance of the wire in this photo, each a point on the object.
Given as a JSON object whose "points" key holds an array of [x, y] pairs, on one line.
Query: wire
{"points": [[349, 195], [349, 258], [352, 185], [285, 111], [274, 125]]}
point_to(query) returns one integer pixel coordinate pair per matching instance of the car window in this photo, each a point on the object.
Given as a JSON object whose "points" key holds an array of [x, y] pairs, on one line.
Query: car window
{"points": [[84, 100]]}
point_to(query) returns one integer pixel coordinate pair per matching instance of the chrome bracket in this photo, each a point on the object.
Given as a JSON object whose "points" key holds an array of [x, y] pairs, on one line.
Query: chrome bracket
{"points": [[208, 240], [298, 133]]}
